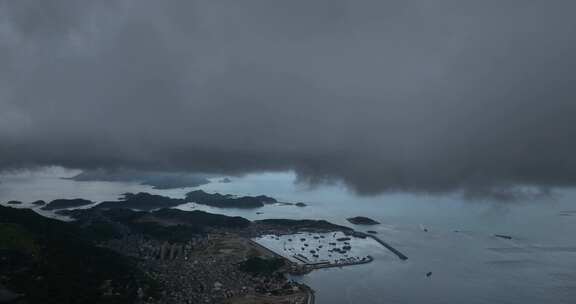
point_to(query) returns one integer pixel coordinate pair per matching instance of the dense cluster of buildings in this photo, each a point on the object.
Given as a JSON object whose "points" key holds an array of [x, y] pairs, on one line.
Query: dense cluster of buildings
{"points": [[190, 272], [136, 245]]}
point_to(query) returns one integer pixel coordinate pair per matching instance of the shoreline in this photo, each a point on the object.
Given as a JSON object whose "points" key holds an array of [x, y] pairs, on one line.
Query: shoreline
{"points": [[306, 267]]}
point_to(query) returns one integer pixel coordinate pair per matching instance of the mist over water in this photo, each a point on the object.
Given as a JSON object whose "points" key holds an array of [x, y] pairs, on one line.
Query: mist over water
{"points": [[468, 263]]}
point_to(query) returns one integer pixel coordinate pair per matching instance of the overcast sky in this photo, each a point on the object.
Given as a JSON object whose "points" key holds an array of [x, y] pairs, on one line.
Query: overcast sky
{"points": [[412, 95]]}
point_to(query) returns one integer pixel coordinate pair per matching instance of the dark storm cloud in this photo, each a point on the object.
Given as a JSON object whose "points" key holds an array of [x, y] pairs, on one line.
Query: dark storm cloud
{"points": [[384, 95]]}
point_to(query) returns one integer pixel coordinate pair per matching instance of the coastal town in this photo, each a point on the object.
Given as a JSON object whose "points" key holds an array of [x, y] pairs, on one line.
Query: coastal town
{"points": [[206, 270], [208, 267], [199, 257]]}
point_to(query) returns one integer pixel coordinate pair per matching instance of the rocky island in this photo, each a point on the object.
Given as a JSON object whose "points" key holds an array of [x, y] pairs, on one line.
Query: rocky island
{"points": [[146, 201], [362, 220], [141, 201], [228, 201], [39, 203]]}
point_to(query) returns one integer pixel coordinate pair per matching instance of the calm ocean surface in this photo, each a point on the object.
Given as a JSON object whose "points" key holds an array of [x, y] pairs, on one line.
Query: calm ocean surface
{"points": [[468, 264]]}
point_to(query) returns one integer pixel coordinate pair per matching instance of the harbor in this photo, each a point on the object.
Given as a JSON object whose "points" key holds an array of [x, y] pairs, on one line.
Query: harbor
{"points": [[306, 252]]}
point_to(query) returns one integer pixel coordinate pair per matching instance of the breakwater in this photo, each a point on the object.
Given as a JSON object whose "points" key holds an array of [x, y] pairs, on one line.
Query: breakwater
{"points": [[389, 247], [399, 254]]}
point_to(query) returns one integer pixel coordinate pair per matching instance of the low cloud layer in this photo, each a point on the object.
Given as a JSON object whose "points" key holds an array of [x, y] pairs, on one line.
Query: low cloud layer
{"points": [[418, 95]]}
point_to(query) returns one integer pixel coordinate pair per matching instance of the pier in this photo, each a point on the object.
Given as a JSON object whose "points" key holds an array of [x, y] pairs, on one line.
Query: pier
{"points": [[394, 250], [366, 260]]}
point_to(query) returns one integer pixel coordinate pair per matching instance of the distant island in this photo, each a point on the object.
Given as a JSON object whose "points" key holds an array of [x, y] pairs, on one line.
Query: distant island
{"points": [[228, 201], [66, 203], [503, 236], [141, 201], [225, 180], [362, 220], [39, 203], [146, 201]]}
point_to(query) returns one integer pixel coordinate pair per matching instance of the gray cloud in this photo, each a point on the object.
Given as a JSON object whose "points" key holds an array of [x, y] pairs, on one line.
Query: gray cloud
{"points": [[384, 95]]}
